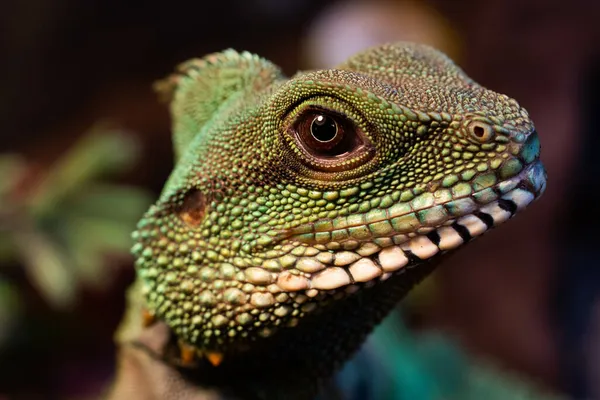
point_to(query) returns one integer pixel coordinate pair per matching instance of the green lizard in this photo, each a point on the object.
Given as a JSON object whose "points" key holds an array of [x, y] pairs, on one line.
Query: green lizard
{"points": [[301, 210]]}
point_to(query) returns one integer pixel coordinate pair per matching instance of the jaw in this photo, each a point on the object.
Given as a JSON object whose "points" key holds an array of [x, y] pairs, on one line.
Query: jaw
{"points": [[326, 337], [377, 259], [281, 294], [296, 363], [513, 196]]}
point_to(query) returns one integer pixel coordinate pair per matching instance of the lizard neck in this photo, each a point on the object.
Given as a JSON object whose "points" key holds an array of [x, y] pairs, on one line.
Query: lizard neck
{"points": [[297, 362]]}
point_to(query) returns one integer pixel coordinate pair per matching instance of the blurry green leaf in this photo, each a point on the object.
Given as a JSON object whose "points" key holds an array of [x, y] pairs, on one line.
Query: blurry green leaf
{"points": [[431, 365], [7, 250], [92, 269], [98, 221], [12, 167], [101, 233], [96, 154], [110, 201], [89, 240], [9, 309], [47, 266], [487, 381], [63, 231]]}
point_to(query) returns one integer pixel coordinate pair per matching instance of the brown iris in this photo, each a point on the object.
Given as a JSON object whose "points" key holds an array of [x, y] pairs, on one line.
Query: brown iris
{"points": [[330, 140]]}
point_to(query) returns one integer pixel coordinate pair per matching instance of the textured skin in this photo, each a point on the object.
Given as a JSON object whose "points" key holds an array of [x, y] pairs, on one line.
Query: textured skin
{"points": [[278, 258]]}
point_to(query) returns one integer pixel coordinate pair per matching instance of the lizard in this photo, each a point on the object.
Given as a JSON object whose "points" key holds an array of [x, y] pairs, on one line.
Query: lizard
{"points": [[301, 210]]}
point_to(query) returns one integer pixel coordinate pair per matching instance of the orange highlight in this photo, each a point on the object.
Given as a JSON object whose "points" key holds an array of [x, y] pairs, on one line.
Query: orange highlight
{"points": [[215, 358]]}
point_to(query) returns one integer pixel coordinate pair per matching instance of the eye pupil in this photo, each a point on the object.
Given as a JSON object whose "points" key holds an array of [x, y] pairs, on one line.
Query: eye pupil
{"points": [[328, 140], [323, 128]]}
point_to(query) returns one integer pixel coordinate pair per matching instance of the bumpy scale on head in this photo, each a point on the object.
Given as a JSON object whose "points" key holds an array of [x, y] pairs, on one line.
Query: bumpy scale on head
{"points": [[290, 195]]}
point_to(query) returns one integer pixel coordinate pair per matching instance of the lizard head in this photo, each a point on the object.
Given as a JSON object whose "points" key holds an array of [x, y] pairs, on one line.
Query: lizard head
{"points": [[290, 197]]}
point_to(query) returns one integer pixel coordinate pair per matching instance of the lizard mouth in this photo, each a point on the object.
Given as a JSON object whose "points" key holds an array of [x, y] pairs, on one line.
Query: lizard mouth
{"points": [[307, 275], [371, 263], [528, 186]]}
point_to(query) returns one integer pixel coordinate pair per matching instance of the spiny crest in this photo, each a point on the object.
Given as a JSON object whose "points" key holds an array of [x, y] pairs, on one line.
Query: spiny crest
{"points": [[201, 86]]}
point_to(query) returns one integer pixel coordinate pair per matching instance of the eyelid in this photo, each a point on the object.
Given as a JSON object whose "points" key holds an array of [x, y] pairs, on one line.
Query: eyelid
{"points": [[322, 102]]}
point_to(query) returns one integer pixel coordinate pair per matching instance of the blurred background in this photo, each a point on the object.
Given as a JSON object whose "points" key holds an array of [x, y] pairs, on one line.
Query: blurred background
{"points": [[85, 148]]}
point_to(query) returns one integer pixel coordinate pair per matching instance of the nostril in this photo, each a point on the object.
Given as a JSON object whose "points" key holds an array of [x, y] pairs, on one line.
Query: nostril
{"points": [[193, 208], [478, 131]]}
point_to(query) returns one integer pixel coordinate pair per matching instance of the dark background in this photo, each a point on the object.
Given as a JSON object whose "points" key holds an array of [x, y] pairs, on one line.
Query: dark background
{"points": [[526, 296]]}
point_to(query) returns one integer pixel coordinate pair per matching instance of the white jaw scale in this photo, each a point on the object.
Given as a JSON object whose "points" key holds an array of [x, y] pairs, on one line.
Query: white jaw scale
{"points": [[351, 267]]}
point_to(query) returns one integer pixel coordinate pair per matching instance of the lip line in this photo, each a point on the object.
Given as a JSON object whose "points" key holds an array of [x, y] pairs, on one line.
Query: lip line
{"points": [[521, 177]]}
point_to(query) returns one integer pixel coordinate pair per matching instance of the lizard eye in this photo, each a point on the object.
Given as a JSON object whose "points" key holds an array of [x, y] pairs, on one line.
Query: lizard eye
{"points": [[329, 141], [325, 135]]}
